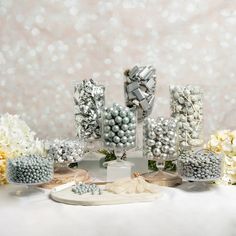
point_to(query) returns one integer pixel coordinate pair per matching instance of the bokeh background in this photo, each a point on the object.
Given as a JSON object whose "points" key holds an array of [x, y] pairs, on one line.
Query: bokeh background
{"points": [[48, 45]]}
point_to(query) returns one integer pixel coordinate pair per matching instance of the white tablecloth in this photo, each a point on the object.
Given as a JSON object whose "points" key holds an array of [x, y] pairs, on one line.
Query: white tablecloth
{"points": [[190, 209]]}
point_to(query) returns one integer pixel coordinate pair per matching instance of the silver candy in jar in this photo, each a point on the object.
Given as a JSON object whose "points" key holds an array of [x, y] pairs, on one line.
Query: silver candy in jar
{"points": [[140, 86], [202, 165], [65, 151], [119, 128], [89, 99], [32, 169], [160, 138], [187, 107]]}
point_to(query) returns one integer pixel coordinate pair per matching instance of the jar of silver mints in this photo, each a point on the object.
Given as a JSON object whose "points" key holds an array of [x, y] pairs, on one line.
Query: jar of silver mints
{"points": [[160, 139], [186, 104], [89, 99], [201, 165], [140, 87], [119, 128], [65, 151]]}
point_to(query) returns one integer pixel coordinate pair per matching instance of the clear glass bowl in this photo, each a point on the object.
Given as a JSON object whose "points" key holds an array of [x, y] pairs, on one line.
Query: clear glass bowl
{"points": [[200, 165], [65, 151], [22, 172], [186, 103]]}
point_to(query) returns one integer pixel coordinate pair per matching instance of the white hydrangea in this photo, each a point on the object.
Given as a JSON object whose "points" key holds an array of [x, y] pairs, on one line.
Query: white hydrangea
{"points": [[16, 138]]}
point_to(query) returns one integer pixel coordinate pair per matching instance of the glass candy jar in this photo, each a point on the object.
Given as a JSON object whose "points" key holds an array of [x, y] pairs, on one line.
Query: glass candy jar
{"points": [[201, 165], [160, 143], [89, 100], [140, 87], [64, 152], [186, 103], [29, 171], [119, 135]]}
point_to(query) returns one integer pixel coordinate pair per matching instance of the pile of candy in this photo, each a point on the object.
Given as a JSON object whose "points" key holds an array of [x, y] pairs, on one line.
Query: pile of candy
{"points": [[200, 165], [89, 101], [82, 188], [29, 170], [140, 89], [65, 151], [187, 108], [160, 138], [119, 128]]}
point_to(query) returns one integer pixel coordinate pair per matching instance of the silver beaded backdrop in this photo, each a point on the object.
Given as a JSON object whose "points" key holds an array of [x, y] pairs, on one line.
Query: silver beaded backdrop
{"points": [[47, 45]]}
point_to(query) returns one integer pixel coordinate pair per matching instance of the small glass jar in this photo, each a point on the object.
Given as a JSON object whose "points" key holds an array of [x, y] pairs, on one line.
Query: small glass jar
{"points": [[140, 87], [89, 100], [186, 103], [65, 151], [201, 165], [29, 170]]}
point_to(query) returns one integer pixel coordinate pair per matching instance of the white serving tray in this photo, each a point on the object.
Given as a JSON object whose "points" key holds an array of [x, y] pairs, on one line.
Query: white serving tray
{"points": [[106, 198]]}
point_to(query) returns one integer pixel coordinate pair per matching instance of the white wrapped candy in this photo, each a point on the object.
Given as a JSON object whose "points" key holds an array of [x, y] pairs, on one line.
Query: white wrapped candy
{"points": [[187, 107]]}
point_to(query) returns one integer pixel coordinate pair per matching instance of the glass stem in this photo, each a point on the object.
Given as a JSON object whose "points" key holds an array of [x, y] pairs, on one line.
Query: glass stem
{"points": [[160, 165], [118, 155]]}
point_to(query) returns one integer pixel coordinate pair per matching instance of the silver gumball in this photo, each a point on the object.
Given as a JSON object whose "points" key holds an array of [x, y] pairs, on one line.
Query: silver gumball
{"points": [[125, 120], [150, 142], [121, 133], [124, 127], [116, 139], [115, 128], [111, 134], [124, 139], [158, 144], [151, 135], [111, 122], [156, 152], [107, 128], [118, 119], [165, 149]]}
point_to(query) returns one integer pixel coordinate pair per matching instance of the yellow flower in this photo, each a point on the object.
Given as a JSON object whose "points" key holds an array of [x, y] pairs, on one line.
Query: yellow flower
{"points": [[224, 141], [3, 158]]}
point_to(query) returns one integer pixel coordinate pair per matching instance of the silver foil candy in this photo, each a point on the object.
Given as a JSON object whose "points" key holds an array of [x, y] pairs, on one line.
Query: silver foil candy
{"points": [[160, 139], [89, 99], [65, 151], [140, 87]]}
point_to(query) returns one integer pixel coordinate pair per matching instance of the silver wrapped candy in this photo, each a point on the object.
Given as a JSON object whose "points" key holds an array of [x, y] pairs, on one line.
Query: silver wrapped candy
{"points": [[65, 151], [119, 128], [187, 107], [160, 138], [89, 99], [140, 86], [202, 165]]}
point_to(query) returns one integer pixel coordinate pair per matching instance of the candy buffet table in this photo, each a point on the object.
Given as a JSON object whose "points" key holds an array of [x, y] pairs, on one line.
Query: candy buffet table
{"points": [[190, 209]]}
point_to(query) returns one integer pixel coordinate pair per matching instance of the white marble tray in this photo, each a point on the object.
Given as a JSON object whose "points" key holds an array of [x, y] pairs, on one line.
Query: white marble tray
{"points": [[68, 197]]}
